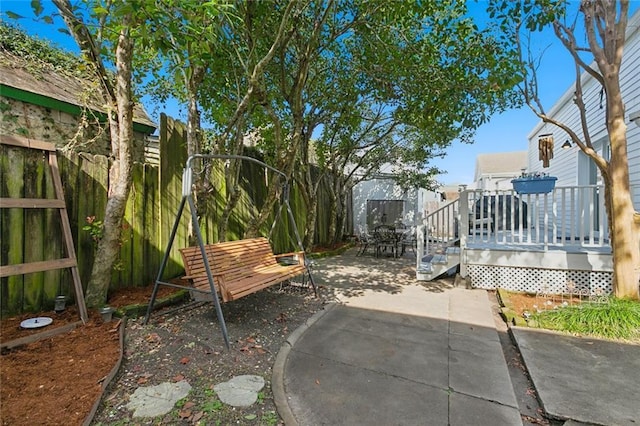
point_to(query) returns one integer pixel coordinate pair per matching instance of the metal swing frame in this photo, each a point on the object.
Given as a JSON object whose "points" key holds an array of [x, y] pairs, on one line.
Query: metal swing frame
{"points": [[187, 198]]}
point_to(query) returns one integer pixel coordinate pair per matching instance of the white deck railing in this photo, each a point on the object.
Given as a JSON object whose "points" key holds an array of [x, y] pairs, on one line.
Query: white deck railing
{"points": [[570, 217]]}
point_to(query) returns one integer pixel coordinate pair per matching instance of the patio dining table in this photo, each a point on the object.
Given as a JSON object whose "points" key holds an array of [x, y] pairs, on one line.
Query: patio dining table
{"points": [[387, 237]]}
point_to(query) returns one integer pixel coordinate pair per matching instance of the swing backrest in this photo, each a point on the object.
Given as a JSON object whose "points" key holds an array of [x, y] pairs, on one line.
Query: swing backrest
{"points": [[230, 258], [233, 258]]}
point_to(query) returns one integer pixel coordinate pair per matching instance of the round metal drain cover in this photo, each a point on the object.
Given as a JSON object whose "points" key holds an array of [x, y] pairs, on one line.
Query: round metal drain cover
{"points": [[36, 322]]}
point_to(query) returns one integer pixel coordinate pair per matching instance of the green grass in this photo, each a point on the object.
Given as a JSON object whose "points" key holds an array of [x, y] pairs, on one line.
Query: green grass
{"points": [[180, 403], [212, 406], [613, 319], [270, 418]]}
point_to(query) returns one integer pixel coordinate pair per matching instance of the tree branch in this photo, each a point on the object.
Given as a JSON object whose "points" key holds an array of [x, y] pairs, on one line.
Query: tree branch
{"points": [[567, 37], [87, 44], [257, 70]]}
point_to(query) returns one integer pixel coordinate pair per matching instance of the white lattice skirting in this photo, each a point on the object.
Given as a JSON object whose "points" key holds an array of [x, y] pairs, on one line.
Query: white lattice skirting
{"points": [[533, 280]]}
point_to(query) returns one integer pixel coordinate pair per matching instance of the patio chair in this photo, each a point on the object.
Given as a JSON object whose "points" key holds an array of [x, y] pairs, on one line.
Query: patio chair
{"points": [[386, 239], [408, 239], [365, 241]]}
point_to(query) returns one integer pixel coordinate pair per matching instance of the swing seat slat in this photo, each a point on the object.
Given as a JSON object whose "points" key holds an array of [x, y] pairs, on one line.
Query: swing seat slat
{"points": [[241, 267]]}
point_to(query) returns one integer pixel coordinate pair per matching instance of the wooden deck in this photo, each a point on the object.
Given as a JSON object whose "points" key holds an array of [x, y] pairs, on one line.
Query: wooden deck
{"points": [[541, 241]]}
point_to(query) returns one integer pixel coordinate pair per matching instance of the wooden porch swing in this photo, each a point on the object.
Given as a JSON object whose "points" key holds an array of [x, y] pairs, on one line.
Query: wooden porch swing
{"points": [[232, 269]]}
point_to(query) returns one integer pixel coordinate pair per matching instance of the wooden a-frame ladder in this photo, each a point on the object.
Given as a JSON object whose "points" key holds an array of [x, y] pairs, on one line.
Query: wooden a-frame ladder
{"points": [[40, 203]]}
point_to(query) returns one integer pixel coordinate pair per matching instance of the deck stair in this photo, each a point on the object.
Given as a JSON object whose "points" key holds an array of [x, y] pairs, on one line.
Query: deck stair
{"points": [[437, 265], [438, 252]]}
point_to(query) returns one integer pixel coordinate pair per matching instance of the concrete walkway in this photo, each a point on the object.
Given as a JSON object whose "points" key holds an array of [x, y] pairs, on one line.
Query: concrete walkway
{"points": [[394, 351], [592, 381]]}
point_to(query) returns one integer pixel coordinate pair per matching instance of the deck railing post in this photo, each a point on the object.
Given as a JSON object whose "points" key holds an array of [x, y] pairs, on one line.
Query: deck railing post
{"points": [[545, 237], [573, 215], [420, 241], [604, 230], [592, 214], [463, 229], [563, 216]]}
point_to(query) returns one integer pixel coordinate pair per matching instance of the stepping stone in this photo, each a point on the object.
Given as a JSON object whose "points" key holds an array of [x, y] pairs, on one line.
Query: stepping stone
{"points": [[152, 401], [241, 391]]}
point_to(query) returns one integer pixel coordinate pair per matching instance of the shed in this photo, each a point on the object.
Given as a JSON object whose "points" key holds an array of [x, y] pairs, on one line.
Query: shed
{"points": [[39, 102]]}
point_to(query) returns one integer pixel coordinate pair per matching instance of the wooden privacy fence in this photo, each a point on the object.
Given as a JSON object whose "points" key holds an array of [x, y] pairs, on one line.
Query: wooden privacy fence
{"points": [[154, 199]]}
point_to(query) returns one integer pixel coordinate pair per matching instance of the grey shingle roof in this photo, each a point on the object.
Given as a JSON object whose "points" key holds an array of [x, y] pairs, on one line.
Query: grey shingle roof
{"points": [[501, 163]]}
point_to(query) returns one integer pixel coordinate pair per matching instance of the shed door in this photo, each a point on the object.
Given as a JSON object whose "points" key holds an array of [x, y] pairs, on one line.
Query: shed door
{"points": [[384, 212]]}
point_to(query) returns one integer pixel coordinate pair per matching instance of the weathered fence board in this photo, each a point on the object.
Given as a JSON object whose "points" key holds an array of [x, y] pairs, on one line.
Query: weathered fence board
{"points": [[152, 253], [34, 170], [138, 202], [69, 172], [121, 277], [86, 209], [15, 221], [172, 159], [52, 279]]}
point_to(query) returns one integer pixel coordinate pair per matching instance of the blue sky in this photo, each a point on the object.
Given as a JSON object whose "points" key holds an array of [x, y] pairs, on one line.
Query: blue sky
{"points": [[503, 133]]}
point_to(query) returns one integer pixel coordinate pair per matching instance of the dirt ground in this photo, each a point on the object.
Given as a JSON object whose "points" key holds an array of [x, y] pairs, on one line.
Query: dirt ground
{"points": [[186, 343], [173, 346], [523, 302]]}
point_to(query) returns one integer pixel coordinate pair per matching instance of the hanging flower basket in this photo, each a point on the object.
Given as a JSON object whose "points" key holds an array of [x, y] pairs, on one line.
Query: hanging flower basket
{"points": [[534, 184]]}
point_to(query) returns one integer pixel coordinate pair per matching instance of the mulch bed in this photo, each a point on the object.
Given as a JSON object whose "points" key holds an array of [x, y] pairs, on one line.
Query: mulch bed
{"points": [[57, 379]]}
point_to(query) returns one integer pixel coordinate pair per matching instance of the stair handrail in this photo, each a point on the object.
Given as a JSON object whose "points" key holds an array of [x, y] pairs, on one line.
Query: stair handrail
{"points": [[451, 211], [456, 201]]}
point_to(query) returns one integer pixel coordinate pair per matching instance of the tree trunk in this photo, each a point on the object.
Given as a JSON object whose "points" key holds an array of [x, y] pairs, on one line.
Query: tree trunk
{"points": [[309, 190], [231, 179], [333, 212], [341, 219], [341, 209], [624, 242], [625, 236], [121, 129], [193, 118], [286, 166], [232, 196], [338, 206], [310, 225], [194, 143]]}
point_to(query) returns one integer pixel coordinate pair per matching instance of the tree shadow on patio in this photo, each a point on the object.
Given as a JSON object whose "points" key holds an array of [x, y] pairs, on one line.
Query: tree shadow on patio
{"points": [[348, 275]]}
